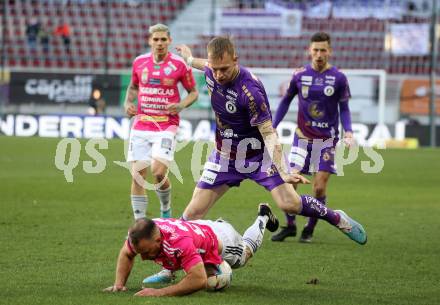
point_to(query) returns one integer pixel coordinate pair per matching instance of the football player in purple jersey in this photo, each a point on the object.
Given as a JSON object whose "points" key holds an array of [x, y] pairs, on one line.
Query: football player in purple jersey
{"points": [[323, 93]]}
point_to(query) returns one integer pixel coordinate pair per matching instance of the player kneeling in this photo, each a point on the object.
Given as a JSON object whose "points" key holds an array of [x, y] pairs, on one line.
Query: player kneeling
{"points": [[206, 250]]}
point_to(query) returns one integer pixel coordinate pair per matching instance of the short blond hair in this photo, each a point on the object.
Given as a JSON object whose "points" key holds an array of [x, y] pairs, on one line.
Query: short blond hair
{"points": [[159, 27], [220, 45]]}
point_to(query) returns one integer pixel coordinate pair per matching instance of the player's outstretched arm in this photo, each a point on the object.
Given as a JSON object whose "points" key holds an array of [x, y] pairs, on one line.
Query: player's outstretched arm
{"points": [[275, 150], [123, 269], [185, 52], [195, 280]]}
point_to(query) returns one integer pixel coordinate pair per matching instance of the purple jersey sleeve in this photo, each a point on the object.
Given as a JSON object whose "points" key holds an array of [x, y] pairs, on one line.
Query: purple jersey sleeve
{"points": [[344, 110], [344, 90], [256, 104], [285, 102]]}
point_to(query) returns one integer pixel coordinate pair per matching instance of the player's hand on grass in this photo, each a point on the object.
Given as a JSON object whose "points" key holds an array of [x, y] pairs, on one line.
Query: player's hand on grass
{"points": [[175, 108], [115, 288], [130, 109], [348, 139], [295, 179], [184, 51], [148, 292]]}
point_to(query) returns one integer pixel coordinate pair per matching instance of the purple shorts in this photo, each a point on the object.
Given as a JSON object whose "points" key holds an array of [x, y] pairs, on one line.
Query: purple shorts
{"points": [[311, 157], [219, 170]]}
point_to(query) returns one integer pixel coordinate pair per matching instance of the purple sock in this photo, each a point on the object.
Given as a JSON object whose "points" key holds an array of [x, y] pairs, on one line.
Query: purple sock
{"points": [[290, 220], [311, 223], [311, 207]]}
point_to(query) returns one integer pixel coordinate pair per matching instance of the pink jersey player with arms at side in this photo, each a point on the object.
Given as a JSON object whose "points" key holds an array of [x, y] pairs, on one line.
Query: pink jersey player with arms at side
{"points": [[154, 81], [198, 247]]}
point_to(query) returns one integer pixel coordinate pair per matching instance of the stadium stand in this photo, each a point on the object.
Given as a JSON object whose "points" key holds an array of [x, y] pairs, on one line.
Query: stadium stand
{"points": [[98, 44], [126, 31]]}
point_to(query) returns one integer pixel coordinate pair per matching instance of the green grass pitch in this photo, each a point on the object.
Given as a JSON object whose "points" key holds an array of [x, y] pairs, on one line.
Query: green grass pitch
{"points": [[59, 241]]}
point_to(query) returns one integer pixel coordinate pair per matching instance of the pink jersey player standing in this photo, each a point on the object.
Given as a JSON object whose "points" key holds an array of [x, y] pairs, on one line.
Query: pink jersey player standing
{"points": [[154, 81]]}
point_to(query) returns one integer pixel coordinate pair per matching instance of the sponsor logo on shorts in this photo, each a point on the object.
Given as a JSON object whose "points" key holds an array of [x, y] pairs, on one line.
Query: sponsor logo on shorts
{"points": [[208, 177]]}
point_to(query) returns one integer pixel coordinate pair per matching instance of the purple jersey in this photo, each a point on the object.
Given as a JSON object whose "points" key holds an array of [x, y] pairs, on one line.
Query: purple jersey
{"points": [[319, 95], [239, 107]]}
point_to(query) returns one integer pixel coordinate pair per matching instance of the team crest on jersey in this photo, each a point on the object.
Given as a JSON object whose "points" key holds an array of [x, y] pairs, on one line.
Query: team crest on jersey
{"points": [[231, 107], [167, 70], [305, 91], [329, 90], [144, 76]]}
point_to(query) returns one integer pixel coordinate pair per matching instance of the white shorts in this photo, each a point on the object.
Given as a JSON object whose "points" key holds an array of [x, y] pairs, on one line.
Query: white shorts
{"points": [[147, 145], [234, 250]]}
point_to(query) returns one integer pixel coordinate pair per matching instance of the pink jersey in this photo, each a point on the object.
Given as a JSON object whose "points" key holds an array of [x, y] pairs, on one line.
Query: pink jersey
{"points": [[157, 89], [185, 244]]}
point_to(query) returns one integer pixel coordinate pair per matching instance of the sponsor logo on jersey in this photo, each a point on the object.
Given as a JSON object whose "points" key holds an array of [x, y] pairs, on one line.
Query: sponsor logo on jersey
{"points": [[144, 76], [154, 118], [228, 133], [155, 73], [306, 80], [305, 91], [330, 80], [162, 100], [329, 90], [167, 70], [232, 92], [154, 81], [212, 166], [157, 91], [319, 124], [319, 81], [156, 67], [169, 81]]}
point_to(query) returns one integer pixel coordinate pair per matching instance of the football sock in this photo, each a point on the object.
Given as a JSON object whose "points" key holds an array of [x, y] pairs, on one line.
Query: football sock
{"points": [[139, 204], [253, 237], [311, 223], [311, 207], [290, 219], [164, 198]]}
